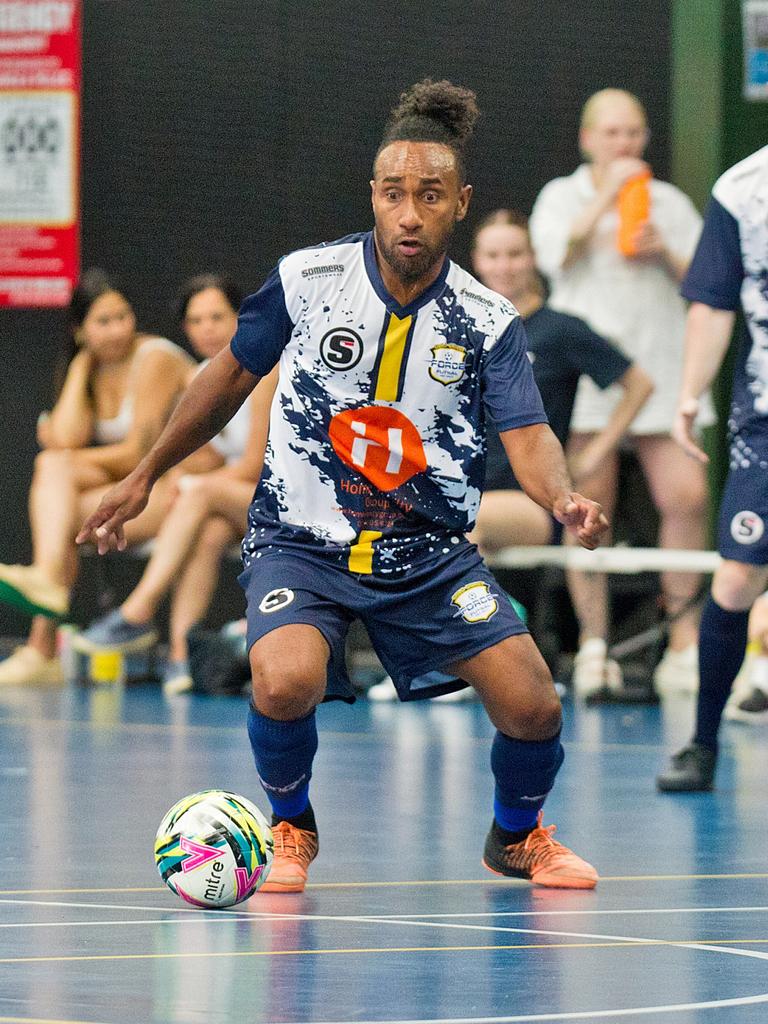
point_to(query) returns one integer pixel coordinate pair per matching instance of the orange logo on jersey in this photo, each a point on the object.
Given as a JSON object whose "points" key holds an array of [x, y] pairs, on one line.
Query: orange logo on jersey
{"points": [[380, 443]]}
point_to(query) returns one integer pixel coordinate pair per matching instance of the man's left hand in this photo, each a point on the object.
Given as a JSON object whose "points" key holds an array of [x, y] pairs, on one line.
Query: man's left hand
{"points": [[583, 517]]}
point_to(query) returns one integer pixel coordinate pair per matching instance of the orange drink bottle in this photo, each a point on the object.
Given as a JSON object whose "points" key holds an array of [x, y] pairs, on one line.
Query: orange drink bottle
{"points": [[634, 206]]}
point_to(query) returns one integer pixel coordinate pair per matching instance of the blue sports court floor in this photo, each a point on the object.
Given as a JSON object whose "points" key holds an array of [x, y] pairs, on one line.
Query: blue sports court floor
{"points": [[400, 923]]}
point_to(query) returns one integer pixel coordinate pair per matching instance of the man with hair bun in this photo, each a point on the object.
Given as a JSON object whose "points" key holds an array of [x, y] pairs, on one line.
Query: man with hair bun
{"points": [[390, 357]]}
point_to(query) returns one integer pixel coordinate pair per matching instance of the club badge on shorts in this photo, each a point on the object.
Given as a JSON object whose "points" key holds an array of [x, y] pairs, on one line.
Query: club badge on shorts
{"points": [[275, 600], [447, 363], [475, 602], [747, 527]]}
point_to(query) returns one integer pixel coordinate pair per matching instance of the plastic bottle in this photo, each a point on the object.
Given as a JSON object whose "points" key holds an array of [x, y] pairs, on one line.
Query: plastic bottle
{"points": [[70, 659], [634, 207]]}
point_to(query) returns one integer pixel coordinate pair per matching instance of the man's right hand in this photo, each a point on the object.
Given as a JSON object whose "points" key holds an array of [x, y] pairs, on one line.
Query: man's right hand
{"points": [[124, 501], [683, 429], [620, 171]]}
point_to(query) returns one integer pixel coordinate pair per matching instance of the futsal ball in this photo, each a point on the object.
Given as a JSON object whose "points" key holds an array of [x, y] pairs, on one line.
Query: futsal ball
{"points": [[214, 849]]}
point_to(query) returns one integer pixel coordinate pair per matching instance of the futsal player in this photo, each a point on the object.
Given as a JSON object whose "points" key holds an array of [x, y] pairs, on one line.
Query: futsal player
{"points": [[729, 269], [390, 358]]}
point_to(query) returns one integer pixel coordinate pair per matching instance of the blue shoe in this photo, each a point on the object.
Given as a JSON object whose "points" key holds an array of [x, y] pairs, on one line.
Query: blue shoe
{"points": [[177, 678], [114, 633]]}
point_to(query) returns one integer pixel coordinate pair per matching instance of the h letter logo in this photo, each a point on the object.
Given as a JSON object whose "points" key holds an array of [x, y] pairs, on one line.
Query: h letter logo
{"points": [[380, 443]]}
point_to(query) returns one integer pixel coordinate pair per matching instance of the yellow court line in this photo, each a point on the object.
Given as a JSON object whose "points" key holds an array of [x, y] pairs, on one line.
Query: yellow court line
{"points": [[523, 882], [624, 943], [41, 1020], [426, 883]]}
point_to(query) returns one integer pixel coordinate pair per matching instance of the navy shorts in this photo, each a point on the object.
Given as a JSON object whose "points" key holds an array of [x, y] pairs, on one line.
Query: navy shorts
{"points": [[743, 521], [444, 613]]}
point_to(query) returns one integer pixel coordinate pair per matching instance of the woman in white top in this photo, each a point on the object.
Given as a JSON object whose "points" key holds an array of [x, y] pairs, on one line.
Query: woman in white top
{"points": [[210, 509], [635, 302], [119, 390]]}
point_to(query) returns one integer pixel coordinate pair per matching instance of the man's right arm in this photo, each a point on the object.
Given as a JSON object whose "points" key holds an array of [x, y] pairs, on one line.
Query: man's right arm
{"points": [[213, 397], [707, 336], [713, 287]]}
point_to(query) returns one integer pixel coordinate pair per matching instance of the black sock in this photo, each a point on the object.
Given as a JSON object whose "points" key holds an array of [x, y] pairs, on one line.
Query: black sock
{"points": [[305, 820], [507, 838], [722, 643]]}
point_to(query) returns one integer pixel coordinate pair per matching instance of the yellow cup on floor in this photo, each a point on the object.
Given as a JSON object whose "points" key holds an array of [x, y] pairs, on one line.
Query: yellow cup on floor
{"points": [[106, 667]]}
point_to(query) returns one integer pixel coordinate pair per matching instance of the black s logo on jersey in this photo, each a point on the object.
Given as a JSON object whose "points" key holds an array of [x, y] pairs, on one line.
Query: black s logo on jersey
{"points": [[341, 349]]}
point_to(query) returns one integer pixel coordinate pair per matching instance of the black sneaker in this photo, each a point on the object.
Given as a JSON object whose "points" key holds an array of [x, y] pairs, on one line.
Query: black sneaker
{"points": [[753, 708], [539, 857], [691, 770]]}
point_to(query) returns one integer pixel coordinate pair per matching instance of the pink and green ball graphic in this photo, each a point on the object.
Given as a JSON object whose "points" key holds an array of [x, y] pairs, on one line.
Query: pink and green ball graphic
{"points": [[214, 849]]}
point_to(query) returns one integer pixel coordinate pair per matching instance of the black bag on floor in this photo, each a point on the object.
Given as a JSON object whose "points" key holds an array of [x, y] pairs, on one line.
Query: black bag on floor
{"points": [[216, 663]]}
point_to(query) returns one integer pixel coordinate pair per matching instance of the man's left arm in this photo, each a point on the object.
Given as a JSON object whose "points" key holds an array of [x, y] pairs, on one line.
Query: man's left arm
{"points": [[538, 462]]}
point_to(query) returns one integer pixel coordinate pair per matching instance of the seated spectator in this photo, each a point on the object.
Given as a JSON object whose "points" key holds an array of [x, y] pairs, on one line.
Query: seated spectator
{"points": [[210, 509], [119, 390], [628, 291], [561, 349]]}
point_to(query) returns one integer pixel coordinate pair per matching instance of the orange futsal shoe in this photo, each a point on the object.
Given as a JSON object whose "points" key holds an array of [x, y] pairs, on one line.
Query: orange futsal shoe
{"points": [[295, 849], [540, 858]]}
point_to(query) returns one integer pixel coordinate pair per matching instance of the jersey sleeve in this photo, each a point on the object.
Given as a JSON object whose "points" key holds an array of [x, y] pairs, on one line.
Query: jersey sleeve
{"points": [[264, 327], [591, 354], [681, 226], [510, 393], [716, 274], [550, 225]]}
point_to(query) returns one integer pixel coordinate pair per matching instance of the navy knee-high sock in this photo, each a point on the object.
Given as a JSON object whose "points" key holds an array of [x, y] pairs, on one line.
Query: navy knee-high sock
{"points": [[283, 752], [722, 644], [525, 772]]}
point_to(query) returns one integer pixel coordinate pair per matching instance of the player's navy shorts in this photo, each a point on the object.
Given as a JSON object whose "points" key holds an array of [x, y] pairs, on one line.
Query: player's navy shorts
{"points": [[450, 611], [743, 522]]}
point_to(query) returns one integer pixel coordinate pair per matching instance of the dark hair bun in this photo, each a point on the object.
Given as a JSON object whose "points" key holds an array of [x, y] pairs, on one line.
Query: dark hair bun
{"points": [[451, 106]]}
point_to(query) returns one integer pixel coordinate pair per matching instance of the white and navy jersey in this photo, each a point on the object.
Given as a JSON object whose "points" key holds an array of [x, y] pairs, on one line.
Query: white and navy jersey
{"points": [[377, 430], [730, 267]]}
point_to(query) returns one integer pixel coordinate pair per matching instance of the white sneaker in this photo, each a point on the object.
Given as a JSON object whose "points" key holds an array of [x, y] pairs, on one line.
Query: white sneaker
{"points": [[677, 672], [28, 666], [27, 588], [383, 691], [594, 671], [748, 701], [177, 678]]}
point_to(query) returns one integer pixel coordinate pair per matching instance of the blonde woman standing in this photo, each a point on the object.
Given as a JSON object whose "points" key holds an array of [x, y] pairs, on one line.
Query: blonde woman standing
{"points": [[634, 301]]}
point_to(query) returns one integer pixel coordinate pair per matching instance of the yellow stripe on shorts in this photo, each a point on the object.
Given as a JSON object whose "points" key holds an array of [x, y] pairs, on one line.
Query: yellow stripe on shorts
{"points": [[388, 379], [361, 553]]}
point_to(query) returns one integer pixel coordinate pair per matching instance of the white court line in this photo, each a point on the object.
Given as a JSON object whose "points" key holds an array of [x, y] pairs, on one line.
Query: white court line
{"points": [[227, 915], [585, 1014], [530, 1018], [228, 918], [590, 1014], [562, 1016]]}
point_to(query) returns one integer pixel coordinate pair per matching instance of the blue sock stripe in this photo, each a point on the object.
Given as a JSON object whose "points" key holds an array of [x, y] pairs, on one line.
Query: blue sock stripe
{"points": [[283, 753], [515, 819]]}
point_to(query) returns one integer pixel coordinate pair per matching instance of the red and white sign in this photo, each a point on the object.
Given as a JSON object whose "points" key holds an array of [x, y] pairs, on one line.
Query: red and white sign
{"points": [[40, 80]]}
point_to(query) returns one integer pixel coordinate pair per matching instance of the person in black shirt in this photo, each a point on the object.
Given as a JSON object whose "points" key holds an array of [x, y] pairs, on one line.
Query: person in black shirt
{"points": [[561, 348]]}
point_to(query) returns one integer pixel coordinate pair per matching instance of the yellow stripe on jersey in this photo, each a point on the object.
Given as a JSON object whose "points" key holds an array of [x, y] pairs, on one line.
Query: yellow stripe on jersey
{"points": [[390, 364], [361, 553]]}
